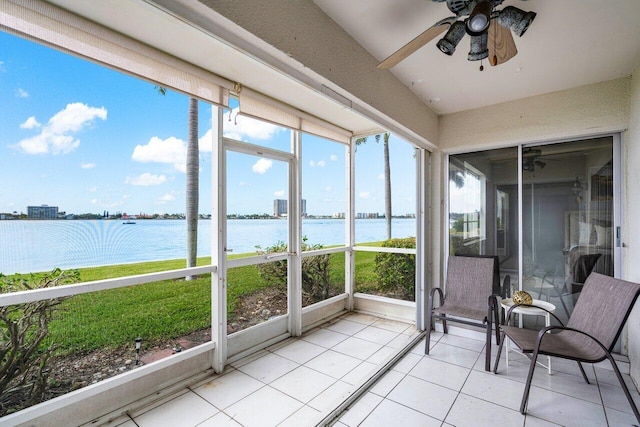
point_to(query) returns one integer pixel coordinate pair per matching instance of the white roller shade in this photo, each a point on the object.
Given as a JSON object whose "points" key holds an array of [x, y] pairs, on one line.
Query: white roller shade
{"points": [[51, 25], [256, 105]]}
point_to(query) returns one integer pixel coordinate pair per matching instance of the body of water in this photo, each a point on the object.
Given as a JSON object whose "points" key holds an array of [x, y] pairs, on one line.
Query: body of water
{"points": [[31, 246]]}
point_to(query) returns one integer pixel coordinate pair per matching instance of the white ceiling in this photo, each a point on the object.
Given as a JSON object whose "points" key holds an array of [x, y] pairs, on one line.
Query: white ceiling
{"points": [[570, 43]]}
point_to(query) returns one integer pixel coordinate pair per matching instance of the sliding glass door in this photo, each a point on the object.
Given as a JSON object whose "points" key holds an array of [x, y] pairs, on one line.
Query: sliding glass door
{"points": [[559, 199], [568, 218]]}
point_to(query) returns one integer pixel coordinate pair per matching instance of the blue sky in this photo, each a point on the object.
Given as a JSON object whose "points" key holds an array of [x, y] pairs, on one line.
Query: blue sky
{"points": [[87, 139]]}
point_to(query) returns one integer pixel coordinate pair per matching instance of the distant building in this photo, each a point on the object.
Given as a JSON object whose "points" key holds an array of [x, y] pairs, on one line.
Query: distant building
{"points": [[280, 207], [42, 212]]}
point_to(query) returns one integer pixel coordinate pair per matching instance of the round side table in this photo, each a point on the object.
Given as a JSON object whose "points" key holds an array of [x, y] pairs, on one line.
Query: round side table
{"points": [[530, 311]]}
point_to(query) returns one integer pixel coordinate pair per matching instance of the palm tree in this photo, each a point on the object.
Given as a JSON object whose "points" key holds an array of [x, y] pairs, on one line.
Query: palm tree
{"points": [[192, 184], [387, 177], [193, 190]]}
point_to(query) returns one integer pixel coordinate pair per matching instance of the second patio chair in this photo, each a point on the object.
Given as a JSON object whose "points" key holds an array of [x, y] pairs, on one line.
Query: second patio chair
{"points": [[467, 299], [590, 335]]}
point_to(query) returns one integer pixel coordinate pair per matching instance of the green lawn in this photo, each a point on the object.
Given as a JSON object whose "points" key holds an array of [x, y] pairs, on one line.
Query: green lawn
{"points": [[166, 309]]}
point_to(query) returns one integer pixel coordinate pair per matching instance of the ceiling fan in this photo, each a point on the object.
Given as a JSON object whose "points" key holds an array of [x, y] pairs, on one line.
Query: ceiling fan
{"points": [[531, 159], [489, 29]]}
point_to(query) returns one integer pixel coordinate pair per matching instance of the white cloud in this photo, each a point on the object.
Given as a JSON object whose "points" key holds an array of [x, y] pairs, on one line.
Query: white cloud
{"points": [[205, 143], [88, 165], [171, 150], [93, 189], [167, 198], [262, 166], [243, 128], [279, 193], [21, 93], [30, 123], [244, 184], [328, 189], [333, 157], [381, 177], [319, 163], [364, 195], [56, 137], [145, 180]]}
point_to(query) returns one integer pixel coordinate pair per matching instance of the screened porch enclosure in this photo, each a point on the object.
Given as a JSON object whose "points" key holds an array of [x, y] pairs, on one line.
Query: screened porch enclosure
{"points": [[277, 251]]}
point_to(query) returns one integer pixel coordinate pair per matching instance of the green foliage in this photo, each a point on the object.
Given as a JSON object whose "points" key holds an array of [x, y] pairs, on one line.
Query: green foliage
{"points": [[316, 279], [396, 272], [23, 329]]}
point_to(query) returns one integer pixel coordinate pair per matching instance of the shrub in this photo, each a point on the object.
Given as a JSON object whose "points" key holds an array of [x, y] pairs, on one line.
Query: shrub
{"points": [[397, 272], [316, 282], [23, 327]]}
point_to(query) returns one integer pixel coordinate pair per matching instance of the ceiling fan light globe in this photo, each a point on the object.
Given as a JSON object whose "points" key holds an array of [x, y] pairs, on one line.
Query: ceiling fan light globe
{"points": [[479, 48], [448, 43], [516, 20], [477, 23], [479, 19]]}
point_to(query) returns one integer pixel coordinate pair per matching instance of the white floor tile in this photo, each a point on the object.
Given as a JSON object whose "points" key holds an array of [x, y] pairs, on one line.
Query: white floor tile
{"points": [[186, 409], [387, 383], [456, 355], [531, 421], [325, 338], [303, 417], [268, 367], [360, 373], [265, 407], [439, 372], [607, 376], [219, 420], [462, 342], [494, 388], [564, 410], [365, 319], [300, 351], [620, 418], [423, 396], [361, 409], [376, 335], [407, 363], [613, 397], [389, 413], [358, 348], [303, 383], [568, 384], [228, 389], [469, 411], [400, 341], [334, 364], [382, 355], [392, 325], [332, 397], [346, 327]]}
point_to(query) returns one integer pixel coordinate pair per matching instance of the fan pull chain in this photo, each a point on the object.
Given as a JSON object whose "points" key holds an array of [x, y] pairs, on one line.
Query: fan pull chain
{"points": [[481, 66]]}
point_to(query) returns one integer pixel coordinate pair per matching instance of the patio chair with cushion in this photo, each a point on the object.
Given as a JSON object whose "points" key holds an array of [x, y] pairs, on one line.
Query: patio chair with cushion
{"points": [[468, 298], [590, 334]]}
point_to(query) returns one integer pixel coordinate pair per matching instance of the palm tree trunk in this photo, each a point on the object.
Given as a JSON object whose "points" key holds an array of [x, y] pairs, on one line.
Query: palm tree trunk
{"points": [[387, 185], [192, 185]]}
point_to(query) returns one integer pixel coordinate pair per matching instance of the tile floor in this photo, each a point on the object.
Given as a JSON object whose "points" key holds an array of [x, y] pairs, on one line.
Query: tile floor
{"points": [[294, 382]]}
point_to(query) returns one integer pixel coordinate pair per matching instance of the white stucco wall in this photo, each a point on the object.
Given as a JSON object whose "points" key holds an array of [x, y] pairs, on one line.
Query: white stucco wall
{"points": [[586, 110], [631, 211]]}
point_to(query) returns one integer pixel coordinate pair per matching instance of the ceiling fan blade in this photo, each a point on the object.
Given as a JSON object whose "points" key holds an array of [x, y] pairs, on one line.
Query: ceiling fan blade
{"points": [[501, 45], [415, 44]]}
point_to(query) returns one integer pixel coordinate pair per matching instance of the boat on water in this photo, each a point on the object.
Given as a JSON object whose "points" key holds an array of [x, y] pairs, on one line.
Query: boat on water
{"points": [[129, 222]]}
